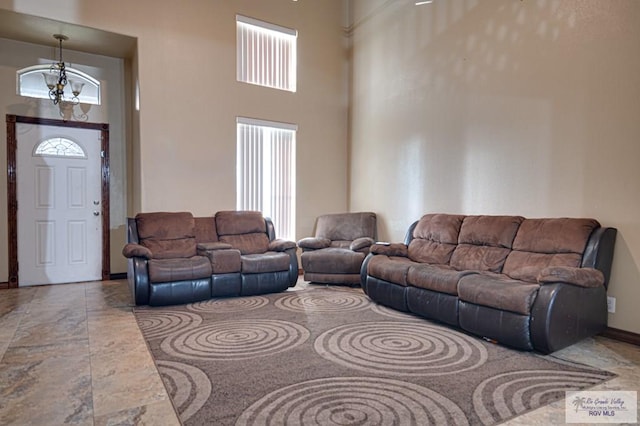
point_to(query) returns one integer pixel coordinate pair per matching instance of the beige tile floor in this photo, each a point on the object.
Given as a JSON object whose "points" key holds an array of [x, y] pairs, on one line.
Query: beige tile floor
{"points": [[73, 354]]}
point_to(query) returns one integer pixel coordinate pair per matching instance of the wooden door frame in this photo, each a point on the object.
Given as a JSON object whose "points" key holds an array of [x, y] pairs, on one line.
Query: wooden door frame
{"points": [[12, 196]]}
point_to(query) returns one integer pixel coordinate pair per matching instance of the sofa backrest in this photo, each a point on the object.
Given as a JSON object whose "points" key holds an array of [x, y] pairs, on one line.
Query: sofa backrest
{"points": [[484, 242], [435, 238], [244, 230], [540, 243], [205, 229], [167, 234], [342, 228]]}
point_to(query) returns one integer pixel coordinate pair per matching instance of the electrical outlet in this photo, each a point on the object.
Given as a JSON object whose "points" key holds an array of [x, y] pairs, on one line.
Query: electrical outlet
{"points": [[611, 304]]}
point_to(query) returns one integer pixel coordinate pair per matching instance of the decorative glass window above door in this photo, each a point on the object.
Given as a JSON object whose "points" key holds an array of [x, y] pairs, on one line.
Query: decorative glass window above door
{"points": [[31, 83], [59, 147]]}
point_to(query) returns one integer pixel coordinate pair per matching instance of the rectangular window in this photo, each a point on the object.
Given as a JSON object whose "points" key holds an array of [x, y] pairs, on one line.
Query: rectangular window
{"points": [[266, 172], [266, 54]]}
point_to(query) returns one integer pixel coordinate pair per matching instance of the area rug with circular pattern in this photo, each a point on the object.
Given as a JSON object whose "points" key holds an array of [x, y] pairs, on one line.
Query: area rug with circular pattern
{"points": [[330, 356]]}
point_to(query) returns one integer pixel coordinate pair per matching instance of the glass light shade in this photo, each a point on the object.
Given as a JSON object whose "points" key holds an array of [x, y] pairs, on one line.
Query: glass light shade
{"points": [[76, 87], [50, 79]]}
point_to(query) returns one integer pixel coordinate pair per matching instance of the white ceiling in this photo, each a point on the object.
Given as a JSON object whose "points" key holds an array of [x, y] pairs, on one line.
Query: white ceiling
{"points": [[34, 29]]}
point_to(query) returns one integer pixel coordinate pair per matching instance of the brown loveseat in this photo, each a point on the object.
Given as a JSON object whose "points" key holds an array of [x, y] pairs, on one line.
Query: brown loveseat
{"points": [[175, 258], [335, 253], [533, 284]]}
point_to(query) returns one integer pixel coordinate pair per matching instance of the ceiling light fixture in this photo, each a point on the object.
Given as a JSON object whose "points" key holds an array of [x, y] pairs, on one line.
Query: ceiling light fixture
{"points": [[56, 78], [418, 3]]}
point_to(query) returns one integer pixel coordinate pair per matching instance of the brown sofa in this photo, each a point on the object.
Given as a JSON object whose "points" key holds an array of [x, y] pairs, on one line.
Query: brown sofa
{"points": [[532, 284], [335, 253], [175, 258]]}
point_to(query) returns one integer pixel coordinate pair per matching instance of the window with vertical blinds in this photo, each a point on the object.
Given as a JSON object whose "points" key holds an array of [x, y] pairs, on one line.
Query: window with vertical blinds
{"points": [[266, 54], [266, 172]]}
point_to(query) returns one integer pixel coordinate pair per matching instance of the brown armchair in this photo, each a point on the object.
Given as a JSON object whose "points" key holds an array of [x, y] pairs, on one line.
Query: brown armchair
{"points": [[336, 252]]}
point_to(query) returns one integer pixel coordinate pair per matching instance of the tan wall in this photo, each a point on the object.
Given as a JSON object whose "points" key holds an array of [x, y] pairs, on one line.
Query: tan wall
{"points": [[189, 98], [501, 107]]}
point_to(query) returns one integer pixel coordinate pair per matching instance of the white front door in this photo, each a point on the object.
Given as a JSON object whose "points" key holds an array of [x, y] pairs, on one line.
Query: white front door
{"points": [[59, 212]]}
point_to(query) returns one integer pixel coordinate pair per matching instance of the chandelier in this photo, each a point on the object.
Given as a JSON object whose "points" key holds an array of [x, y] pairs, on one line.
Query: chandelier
{"points": [[56, 79]]}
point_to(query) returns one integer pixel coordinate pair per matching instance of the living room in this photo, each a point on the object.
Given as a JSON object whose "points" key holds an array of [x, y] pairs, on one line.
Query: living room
{"points": [[474, 107]]}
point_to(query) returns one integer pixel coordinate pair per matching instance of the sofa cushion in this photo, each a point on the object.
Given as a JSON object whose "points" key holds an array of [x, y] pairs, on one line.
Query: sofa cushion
{"points": [[393, 249], [494, 231], [346, 226], [167, 234], [244, 230], [165, 225], [248, 243], [542, 243], [498, 291], [391, 269], [170, 249], [479, 258], [484, 242], [334, 260], [440, 278], [340, 244], [526, 266], [562, 235], [210, 246], [240, 222], [581, 277], [205, 229], [434, 238], [265, 262], [166, 270]]}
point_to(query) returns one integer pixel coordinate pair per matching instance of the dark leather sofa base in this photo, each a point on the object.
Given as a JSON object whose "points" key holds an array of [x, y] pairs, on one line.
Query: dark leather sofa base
{"points": [[352, 280], [433, 305], [271, 282], [179, 292], [506, 328], [579, 314], [387, 294], [226, 285]]}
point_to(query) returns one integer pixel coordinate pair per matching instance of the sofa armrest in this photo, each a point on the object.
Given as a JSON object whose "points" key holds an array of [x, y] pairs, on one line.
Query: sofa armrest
{"points": [[395, 249], [563, 314], [281, 245], [138, 279], [131, 250], [361, 243], [223, 257], [223, 261], [202, 247], [314, 243], [581, 277]]}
